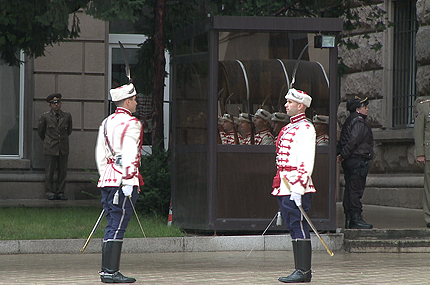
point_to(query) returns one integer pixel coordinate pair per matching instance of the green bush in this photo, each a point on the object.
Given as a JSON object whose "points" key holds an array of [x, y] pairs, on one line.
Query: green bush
{"points": [[154, 197]]}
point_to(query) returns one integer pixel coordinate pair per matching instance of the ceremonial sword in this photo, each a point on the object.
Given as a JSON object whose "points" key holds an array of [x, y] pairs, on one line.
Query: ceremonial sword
{"points": [[310, 222], [93, 231]]}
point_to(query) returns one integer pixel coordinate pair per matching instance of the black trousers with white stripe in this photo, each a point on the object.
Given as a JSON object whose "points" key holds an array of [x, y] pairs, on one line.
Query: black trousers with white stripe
{"points": [[293, 218], [118, 215]]}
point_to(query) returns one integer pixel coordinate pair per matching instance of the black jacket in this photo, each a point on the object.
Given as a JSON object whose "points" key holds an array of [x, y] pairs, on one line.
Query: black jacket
{"points": [[356, 138]]}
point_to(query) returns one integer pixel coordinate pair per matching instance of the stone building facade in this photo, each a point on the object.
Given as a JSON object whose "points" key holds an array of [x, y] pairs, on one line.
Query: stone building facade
{"points": [[78, 70], [82, 70], [395, 177]]}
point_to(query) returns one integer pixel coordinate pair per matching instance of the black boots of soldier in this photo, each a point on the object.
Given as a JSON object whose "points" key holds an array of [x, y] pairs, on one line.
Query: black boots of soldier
{"points": [[111, 255], [302, 250], [355, 221]]}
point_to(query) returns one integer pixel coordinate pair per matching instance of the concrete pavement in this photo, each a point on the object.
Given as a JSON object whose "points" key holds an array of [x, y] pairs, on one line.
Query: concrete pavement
{"points": [[220, 260], [233, 267]]}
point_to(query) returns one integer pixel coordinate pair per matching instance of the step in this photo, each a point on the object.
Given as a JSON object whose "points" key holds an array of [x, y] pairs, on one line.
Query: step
{"points": [[387, 240]]}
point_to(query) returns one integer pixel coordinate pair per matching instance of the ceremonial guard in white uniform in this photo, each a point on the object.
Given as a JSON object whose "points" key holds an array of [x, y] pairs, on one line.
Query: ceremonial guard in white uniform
{"points": [[230, 135], [245, 127], [118, 153], [279, 120], [321, 127], [264, 134], [295, 155]]}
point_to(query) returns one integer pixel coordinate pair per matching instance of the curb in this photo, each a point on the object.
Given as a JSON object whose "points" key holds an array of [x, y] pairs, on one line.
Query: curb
{"points": [[170, 244]]}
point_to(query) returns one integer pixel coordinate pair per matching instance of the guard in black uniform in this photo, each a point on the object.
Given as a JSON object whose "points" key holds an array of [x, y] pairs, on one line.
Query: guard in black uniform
{"points": [[355, 150]]}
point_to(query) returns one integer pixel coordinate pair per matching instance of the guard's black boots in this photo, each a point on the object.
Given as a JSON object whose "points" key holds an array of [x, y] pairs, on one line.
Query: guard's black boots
{"points": [[357, 222], [111, 255], [347, 220], [302, 250]]}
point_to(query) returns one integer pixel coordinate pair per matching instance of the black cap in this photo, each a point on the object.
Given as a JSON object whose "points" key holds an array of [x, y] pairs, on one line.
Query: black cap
{"points": [[53, 98], [355, 103]]}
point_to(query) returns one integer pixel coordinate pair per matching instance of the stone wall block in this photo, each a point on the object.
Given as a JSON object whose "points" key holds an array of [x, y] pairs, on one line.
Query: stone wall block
{"points": [[95, 58], [362, 84], [82, 87], [342, 113], [44, 85], [363, 13], [423, 80], [82, 145], [422, 49], [91, 28], [94, 113], [64, 57], [376, 115], [395, 158], [423, 12], [363, 58]]}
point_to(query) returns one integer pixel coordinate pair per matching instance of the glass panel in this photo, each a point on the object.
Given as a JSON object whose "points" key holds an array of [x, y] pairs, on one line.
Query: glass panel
{"points": [[9, 109], [244, 181], [191, 103], [256, 71], [200, 44], [191, 191]]}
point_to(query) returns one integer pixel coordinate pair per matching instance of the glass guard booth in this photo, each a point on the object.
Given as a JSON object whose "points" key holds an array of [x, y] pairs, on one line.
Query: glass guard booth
{"points": [[224, 67]]}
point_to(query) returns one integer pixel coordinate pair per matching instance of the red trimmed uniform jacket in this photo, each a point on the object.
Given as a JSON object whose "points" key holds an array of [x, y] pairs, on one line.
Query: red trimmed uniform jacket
{"points": [[118, 150], [295, 155]]}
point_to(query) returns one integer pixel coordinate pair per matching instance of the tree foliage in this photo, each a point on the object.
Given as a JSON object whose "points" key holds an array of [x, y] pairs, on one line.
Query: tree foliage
{"points": [[155, 195], [32, 25]]}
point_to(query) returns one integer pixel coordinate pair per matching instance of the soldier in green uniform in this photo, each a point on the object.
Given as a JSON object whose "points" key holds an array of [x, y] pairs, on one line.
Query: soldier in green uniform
{"points": [[54, 129], [422, 148]]}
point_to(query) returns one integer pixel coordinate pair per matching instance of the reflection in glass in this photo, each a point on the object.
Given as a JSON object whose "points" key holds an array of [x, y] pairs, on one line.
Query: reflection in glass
{"points": [[191, 100], [9, 109], [256, 70]]}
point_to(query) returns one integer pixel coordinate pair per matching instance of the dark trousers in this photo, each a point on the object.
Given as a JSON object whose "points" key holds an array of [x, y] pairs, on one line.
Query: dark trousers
{"points": [[355, 182], [118, 215], [52, 163], [293, 218]]}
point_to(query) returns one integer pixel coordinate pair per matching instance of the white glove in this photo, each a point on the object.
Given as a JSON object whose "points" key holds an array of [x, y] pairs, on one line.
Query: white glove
{"points": [[127, 190], [297, 198]]}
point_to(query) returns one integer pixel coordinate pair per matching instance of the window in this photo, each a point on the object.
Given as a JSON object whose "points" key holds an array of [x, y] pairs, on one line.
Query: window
{"points": [[11, 110], [117, 77], [404, 66]]}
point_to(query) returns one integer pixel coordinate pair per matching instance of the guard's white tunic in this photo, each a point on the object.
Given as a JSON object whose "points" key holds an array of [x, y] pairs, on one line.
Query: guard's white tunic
{"points": [[124, 135], [295, 155], [322, 139], [228, 138], [246, 139], [263, 137]]}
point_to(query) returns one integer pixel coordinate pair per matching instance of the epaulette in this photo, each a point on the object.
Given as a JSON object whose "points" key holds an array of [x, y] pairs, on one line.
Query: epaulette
{"points": [[356, 119]]}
